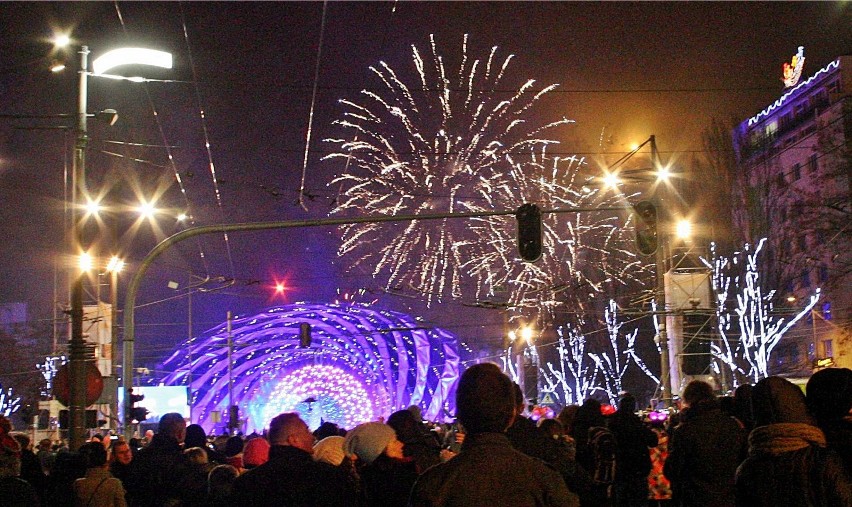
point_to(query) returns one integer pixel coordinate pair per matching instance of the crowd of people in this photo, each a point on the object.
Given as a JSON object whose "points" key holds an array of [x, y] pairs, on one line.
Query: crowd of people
{"points": [[768, 445]]}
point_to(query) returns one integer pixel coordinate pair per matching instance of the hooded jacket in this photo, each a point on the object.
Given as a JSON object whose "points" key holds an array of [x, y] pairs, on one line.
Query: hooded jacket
{"points": [[788, 463]]}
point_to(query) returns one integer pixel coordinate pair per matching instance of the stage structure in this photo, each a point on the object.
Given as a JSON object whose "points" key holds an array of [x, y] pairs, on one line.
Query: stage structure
{"points": [[360, 364]]}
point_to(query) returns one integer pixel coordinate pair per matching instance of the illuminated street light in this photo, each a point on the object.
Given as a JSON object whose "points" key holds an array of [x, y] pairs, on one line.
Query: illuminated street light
{"points": [[78, 354], [85, 262], [115, 265], [611, 180], [279, 288], [147, 210], [181, 217], [93, 207], [663, 174], [684, 229], [61, 40]]}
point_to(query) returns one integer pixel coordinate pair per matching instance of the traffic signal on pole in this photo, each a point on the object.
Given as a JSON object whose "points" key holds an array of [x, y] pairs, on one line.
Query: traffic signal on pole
{"points": [[137, 414], [646, 227], [304, 335], [529, 232]]}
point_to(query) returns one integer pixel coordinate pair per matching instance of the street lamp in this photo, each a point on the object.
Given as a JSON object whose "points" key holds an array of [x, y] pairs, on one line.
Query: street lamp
{"points": [[77, 354]]}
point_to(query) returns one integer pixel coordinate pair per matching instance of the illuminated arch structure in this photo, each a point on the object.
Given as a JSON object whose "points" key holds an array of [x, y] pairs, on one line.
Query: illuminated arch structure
{"points": [[362, 363]]}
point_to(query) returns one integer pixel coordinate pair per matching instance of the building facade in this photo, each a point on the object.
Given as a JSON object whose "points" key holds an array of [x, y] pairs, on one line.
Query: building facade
{"points": [[795, 159]]}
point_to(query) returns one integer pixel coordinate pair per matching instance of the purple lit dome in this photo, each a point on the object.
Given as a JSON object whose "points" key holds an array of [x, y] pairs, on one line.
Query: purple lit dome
{"points": [[361, 364]]}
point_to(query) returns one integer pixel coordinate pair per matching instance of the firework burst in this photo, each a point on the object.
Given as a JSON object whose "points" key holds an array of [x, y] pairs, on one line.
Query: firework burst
{"points": [[455, 141]]}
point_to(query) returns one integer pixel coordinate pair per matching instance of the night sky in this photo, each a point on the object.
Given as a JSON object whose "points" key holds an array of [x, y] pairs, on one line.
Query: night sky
{"points": [[625, 70]]}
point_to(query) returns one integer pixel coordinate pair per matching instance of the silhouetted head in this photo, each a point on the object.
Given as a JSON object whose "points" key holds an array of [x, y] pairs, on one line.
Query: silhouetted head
{"points": [[485, 399]]}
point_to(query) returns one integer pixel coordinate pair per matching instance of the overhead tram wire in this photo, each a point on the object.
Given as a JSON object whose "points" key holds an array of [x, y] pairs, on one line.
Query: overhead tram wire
{"points": [[207, 144], [166, 144]]}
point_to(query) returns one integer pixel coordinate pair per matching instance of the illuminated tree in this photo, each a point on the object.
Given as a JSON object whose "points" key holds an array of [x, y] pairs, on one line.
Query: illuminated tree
{"points": [[747, 323], [9, 402]]}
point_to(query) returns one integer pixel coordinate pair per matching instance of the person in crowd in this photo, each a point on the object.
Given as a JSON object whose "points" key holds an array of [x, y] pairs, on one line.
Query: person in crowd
{"points": [[829, 400], [788, 464], [327, 429], [30, 466], [197, 437], [45, 455], [386, 474], [193, 484], [256, 452], [220, 483], [330, 450], [158, 468], [632, 455], [596, 450], [14, 491], [149, 436], [531, 440], [98, 488], [742, 403], [419, 443], [488, 470], [121, 458], [704, 451], [234, 453], [659, 488], [67, 468], [291, 477]]}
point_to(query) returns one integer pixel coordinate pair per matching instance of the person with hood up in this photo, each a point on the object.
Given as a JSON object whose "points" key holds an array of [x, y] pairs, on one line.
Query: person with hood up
{"points": [[829, 399], [788, 463], [704, 451], [386, 474]]}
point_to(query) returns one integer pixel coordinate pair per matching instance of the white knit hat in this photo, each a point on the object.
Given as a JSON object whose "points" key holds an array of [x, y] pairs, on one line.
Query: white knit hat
{"points": [[330, 450], [369, 440]]}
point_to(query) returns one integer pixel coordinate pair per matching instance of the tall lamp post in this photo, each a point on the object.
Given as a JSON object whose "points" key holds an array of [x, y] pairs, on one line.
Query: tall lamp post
{"points": [[77, 350]]}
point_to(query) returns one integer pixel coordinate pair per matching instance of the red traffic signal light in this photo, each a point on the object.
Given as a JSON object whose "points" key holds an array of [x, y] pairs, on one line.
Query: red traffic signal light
{"points": [[529, 232], [646, 227]]}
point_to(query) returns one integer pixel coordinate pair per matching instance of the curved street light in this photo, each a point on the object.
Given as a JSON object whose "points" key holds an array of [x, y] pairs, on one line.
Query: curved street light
{"points": [[77, 354]]}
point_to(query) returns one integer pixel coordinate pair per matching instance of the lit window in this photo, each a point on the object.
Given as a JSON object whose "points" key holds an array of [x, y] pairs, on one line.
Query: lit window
{"points": [[811, 351]]}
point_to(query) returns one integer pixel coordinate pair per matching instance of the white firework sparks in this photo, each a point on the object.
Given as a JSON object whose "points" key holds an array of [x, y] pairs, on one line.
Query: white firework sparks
{"points": [[454, 143]]}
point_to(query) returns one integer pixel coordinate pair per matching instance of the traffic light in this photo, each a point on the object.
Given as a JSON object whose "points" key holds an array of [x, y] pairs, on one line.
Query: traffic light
{"points": [[646, 227], [304, 335], [529, 232], [137, 414]]}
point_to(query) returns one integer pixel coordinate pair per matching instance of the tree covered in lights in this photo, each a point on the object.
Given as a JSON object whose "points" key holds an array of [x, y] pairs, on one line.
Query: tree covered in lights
{"points": [[748, 325], [9, 401]]}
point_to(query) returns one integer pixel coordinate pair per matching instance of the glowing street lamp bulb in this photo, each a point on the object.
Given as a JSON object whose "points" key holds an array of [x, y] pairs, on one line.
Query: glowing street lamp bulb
{"points": [[93, 207], [634, 146], [512, 336], [664, 174], [147, 209], [791, 299], [611, 180], [684, 229], [61, 40], [181, 217], [115, 265], [85, 262], [279, 287]]}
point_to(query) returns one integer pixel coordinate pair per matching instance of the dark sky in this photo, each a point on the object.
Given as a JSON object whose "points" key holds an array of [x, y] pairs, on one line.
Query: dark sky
{"points": [[628, 70]]}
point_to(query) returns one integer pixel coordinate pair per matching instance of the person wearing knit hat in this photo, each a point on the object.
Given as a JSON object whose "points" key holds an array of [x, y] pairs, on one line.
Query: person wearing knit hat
{"points": [[330, 450], [386, 474], [370, 440], [255, 453]]}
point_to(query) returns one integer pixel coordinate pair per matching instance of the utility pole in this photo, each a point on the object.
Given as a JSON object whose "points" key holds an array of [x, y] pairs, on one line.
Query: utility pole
{"points": [[661, 267], [77, 350]]}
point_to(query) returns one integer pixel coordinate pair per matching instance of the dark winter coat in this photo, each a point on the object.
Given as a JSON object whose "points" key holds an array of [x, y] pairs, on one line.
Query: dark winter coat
{"points": [[155, 473], [490, 472], [292, 478], [704, 453], [633, 439], [387, 482], [788, 464]]}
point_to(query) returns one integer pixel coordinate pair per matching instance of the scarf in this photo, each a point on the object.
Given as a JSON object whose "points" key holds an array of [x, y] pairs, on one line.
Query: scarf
{"points": [[775, 439]]}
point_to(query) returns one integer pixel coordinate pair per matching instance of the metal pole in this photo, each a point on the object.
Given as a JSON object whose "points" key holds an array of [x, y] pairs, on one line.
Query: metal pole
{"points": [[231, 422], [662, 338], [189, 342], [77, 347], [113, 298]]}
